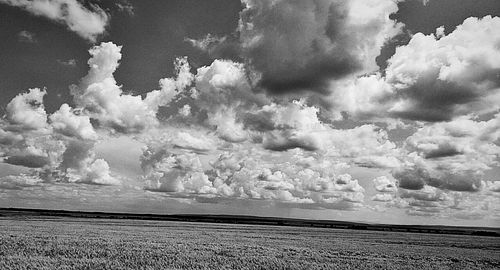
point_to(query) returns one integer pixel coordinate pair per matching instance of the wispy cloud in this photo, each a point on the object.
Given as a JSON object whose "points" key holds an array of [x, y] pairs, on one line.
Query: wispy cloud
{"points": [[88, 22], [26, 36], [126, 7], [68, 63]]}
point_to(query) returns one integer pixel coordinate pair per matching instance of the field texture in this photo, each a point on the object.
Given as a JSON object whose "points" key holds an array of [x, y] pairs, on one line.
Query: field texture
{"points": [[130, 244]]}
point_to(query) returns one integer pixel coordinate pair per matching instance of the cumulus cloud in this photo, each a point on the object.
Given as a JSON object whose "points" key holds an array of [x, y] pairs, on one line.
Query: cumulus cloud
{"points": [[361, 98], [80, 165], [87, 21], [187, 141], [69, 122], [27, 111], [387, 187], [451, 155], [435, 77], [56, 159], [25, 136], [224, 92], [102, 99], [252, 174], [170, 172], [297, 45], [296, 125], [385, 184], [171, 88], [98, 173], [60, 149]]}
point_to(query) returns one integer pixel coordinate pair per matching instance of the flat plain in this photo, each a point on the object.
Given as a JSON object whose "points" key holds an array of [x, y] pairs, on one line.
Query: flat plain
{"points": [[79, 243]]}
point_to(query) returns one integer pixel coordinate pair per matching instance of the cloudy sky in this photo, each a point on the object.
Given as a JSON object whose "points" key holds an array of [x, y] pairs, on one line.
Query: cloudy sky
{"points": [[378, 111]]}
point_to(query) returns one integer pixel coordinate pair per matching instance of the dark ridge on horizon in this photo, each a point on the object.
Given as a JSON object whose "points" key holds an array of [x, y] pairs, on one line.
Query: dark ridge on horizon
{"points": [[255, 220]]}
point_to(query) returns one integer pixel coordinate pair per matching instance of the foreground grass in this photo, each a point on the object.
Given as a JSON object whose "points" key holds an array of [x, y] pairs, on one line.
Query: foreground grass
{"points": [[131, 244]]}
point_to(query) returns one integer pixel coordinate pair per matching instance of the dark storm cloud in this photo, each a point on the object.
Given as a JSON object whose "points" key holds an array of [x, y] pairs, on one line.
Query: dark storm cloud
{"points": [[30, 161], [412, 178], [444, 151], [415, 178], [302, 45], [435, 100], [287, 140], [418, 178], [466, 181]]}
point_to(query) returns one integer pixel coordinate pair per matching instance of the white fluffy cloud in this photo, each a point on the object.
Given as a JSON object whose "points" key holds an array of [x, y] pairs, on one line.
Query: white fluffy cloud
{"points": [[80, 165], [252, 174], [87, 21], [27, 139], [25, 136], [27, 110], [169, 87], [439, 78], [387, 187], [385, 184], [69, 122], [102, 99], [432, 78], [224, 92]]}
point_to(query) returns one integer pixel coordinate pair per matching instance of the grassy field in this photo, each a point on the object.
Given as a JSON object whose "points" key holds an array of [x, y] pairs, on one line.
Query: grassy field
{"points": [[69, 243]]}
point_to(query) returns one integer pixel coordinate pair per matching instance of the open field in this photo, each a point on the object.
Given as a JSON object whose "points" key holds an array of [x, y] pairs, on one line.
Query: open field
{"points": [[78, 243]]}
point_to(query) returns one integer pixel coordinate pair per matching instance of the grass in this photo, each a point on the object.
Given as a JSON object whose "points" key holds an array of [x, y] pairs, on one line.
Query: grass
{"points": [[68, 243]]}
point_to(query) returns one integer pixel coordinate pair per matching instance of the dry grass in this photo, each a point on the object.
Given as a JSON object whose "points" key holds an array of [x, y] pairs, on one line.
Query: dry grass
{"points": [[116, 244]]}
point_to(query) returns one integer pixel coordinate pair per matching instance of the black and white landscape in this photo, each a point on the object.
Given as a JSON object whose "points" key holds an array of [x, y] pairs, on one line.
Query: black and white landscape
{"points": [[249, 134]]}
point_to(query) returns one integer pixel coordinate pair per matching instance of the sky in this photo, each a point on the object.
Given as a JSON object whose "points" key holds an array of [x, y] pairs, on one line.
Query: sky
{"points": [[378, 111]]}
